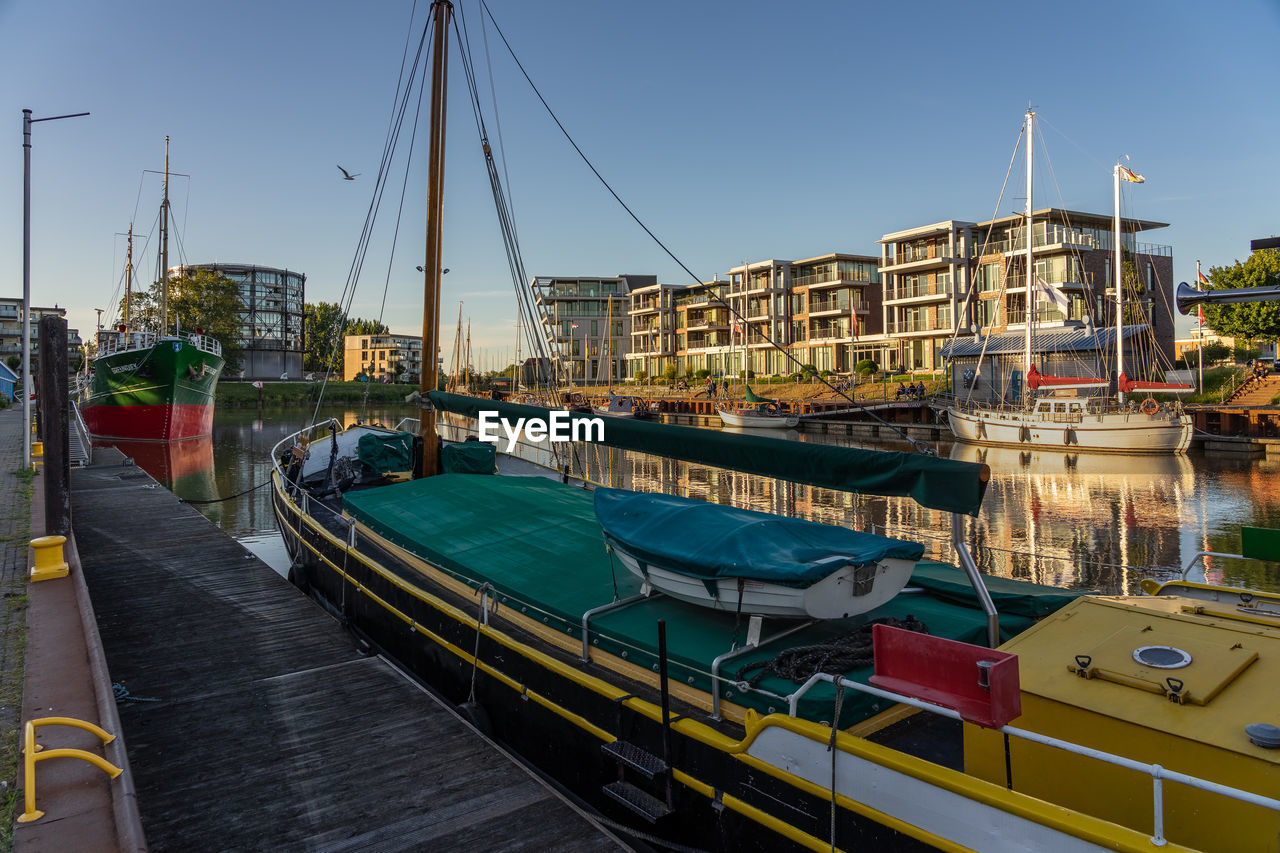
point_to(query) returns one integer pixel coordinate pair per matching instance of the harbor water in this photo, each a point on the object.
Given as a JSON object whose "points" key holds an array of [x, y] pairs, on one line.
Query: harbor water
{"points": [[1085, 521]]}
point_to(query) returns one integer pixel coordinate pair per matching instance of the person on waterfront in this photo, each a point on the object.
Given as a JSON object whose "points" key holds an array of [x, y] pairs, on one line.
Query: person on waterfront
{"points": [[902, 391]]}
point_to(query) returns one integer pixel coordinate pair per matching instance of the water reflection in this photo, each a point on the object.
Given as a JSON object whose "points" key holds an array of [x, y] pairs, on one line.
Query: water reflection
{"points": [[1070, 520]]}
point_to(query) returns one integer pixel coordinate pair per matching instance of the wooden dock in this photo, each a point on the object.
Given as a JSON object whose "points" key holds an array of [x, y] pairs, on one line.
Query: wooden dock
{"points": [[253, 721]]}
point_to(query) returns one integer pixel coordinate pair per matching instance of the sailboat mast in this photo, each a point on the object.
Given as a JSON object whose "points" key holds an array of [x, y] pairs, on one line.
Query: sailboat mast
{"points": [[441, 12], [1031, 270], [128, 277], [1119, 292], [164, 246]]}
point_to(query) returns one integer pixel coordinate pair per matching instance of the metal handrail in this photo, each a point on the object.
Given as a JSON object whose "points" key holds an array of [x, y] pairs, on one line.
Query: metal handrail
{"points": [[1155, 771]]}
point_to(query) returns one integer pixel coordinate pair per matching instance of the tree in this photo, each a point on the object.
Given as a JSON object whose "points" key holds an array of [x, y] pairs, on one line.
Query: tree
{"points": [[320, 324], [210, 301], [199, 299], [866, 366], [14, 362], [324, 344], [1250, 321], [1214, 353]]}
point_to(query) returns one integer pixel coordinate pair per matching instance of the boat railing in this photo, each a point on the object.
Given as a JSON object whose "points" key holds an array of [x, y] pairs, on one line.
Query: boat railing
{"points": [[81, 450], [1157, 773], [113, 342], [205, 343]]}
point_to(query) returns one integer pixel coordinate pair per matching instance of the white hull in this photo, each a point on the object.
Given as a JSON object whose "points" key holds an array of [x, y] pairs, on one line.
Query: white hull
{"points": [[1113, 432], [757, 420], [830, 598]]}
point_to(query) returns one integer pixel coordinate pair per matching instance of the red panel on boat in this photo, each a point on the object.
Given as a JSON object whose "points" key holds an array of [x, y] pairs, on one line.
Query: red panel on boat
{"points": [[979, 683]]}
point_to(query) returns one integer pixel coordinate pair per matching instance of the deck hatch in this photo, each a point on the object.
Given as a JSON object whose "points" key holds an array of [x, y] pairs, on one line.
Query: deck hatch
{"points": [[1143, 657]]}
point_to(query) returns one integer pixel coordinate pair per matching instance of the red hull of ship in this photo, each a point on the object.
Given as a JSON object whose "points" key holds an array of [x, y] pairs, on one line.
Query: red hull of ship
{"points": [[149, 423]]}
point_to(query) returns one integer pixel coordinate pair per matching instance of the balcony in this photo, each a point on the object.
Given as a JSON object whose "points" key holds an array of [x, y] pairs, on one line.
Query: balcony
{"points": [[911, 261], [929, 291], [916, 326]]}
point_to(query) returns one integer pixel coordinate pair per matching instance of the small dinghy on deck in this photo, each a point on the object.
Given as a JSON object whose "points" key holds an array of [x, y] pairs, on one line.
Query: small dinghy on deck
{"points": [[713, 555]]}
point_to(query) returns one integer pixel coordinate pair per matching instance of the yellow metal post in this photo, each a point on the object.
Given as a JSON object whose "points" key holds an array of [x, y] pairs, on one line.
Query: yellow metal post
{"points": [[49, 563]]}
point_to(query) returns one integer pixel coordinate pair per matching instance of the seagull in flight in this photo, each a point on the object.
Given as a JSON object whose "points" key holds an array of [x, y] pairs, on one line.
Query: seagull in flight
{"points": [[347, 175]]}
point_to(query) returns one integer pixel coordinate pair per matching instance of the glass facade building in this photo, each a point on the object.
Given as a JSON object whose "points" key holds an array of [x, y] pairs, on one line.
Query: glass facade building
{"points": [[271, 328]]}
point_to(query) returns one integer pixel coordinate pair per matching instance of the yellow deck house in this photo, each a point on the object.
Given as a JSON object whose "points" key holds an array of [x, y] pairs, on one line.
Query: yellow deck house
{"points": [[1167, 680]]}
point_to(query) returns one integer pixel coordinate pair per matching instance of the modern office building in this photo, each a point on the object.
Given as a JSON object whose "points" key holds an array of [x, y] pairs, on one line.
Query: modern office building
{"points": [[271, 318], [389, 358]]}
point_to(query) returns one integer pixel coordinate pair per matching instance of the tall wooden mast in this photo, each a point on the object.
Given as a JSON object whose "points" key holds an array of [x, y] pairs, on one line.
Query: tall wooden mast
{"points": [[441, 12]]}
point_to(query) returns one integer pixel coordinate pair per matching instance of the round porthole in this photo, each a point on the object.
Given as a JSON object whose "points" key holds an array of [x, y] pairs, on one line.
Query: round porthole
{"points": [[1162, 657]]}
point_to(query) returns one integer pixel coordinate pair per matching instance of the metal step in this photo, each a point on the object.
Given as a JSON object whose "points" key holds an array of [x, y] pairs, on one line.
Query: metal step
{"points": [[642, 803], [640, 760]]}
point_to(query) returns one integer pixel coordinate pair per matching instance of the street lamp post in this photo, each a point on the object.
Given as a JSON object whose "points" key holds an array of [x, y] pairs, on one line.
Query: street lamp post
{"points": [[27, 121]]}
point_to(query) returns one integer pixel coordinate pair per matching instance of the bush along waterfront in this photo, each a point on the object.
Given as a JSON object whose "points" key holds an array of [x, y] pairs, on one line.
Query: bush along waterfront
{"points": [[243, 395]]}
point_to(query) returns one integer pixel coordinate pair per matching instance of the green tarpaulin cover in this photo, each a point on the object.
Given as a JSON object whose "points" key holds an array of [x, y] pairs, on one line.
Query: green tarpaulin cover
{"points": [[539, 543], [753, 397], [469, 457], [944, 484], [706, 540], [383, 453]]}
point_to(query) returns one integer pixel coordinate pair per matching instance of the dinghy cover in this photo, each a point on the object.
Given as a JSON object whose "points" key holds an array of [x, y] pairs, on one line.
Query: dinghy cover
{"points": [[706, 540]]}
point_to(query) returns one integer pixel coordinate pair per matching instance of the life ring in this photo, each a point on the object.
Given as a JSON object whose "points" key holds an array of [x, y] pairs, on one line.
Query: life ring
{"points": [[771, 408], [1150, 406]]}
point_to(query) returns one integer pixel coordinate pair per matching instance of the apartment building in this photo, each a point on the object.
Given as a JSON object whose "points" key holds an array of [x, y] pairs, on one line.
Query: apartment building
{"points": [[389, 358], [925, 274], [11, 333], [835, 311], [957, 278], [589, 321], [651, 325]]}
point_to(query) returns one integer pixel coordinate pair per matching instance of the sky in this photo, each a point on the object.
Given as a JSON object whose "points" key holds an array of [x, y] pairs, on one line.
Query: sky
{"points": [[735, 130]]}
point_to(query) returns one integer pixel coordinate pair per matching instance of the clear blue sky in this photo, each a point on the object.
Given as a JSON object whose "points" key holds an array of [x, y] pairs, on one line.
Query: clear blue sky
{"points": [[736, 130]]}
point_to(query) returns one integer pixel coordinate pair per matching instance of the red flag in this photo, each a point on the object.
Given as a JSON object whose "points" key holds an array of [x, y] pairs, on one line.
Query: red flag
{"points": [[1200, 308], [854, 315]]}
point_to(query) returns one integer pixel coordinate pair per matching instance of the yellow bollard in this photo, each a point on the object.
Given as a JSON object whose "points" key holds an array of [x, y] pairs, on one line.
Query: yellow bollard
{"points": [[37, 453], [49, 561]]}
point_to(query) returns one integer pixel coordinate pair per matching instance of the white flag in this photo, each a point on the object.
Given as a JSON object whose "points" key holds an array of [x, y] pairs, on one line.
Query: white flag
{"points": [[1057, 297]]}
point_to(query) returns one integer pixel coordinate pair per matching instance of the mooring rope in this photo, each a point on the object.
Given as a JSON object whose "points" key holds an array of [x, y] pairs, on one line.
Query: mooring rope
{"points": [[851, 650]]}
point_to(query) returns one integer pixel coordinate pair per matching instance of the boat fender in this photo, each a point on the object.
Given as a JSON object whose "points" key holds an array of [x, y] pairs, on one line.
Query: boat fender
{"points": [[474, 713], [1069, 436], [1024, 433], [982, 429], [298, 576], [1150, 406]]}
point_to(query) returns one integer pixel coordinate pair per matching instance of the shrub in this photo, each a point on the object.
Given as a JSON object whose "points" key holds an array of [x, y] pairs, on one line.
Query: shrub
{"points": [[866, 366]]}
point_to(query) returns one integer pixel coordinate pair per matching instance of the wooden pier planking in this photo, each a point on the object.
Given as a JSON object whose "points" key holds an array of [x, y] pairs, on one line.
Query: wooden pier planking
{"points": [[253, 721]]}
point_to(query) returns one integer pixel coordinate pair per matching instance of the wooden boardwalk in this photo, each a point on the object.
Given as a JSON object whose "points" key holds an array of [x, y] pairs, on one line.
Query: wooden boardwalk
{"points": [[254, 722]]}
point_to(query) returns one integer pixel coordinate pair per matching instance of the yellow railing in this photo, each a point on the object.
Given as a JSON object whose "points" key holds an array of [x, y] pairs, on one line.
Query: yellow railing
{"points": [[33, 752]]}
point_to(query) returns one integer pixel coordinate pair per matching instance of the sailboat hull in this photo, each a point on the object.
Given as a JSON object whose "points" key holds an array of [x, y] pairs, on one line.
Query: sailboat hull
{"points": [[1110, 432], [157, 393]]}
